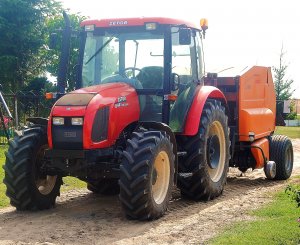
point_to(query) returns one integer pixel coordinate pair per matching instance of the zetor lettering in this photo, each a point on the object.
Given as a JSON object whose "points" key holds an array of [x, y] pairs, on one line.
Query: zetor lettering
{"points": [[117, 23]]}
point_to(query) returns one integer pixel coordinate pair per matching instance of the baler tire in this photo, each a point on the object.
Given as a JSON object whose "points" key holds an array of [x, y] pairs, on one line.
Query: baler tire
{"points": [[281, 152], [107, 187], [147, 175], [27, 188], [198, 179]]}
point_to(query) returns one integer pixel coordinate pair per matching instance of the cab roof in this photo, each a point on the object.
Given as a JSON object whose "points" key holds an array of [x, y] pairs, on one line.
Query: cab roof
{"points": [[137, 22]]}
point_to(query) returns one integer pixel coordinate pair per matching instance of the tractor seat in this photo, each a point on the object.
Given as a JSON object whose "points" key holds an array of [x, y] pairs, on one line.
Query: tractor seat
{"points": [[118, 78], [151, 77]]}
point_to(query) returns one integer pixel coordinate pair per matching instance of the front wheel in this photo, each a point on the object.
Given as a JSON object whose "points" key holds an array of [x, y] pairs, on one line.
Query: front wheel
{"points": [[203, 172], [147, 174], [28, 187]]}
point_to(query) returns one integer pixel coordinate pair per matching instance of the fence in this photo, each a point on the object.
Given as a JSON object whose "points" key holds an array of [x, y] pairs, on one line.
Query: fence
{"points": [[22, 105], [29, 104], [288, 112]]}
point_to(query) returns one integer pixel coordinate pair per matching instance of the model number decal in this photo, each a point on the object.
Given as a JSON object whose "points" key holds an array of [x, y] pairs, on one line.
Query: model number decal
{"points": [[117, 105], [121, 102], [118, 23], [122, 99]]}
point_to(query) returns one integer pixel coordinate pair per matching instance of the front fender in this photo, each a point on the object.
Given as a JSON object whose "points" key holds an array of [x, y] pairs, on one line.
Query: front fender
{"points": [[194, 115]]}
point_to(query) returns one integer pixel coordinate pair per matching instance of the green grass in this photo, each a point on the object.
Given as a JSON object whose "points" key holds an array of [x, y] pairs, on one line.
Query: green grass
{"points": [[291, 132], [4, 201], [69, 182], [276, 224]]}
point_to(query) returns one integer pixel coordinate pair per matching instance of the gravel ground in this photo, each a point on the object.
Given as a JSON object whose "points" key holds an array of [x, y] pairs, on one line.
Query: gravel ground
{"points": [[81, 217]]}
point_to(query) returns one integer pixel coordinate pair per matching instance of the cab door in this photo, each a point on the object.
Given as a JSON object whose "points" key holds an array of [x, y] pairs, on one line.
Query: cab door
{"points": [[187, 72]]}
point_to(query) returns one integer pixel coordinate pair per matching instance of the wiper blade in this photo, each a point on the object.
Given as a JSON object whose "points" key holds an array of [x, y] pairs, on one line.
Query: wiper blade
{"points": [[99, 50]]}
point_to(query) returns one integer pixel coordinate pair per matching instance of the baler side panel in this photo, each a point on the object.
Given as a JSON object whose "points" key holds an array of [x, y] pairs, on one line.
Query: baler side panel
{"points": [[257, 103]]}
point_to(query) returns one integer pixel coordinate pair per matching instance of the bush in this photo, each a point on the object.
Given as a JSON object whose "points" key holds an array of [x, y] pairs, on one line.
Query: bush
{"points": [[291, 116], [294, 193]]}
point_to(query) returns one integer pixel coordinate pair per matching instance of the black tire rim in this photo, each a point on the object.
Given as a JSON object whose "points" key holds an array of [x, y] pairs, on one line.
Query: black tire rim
{"points": [[288, 159], [213, 151]]}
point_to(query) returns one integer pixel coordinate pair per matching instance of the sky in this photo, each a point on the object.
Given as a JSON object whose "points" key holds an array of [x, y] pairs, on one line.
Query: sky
{"points": [[240, 33]]}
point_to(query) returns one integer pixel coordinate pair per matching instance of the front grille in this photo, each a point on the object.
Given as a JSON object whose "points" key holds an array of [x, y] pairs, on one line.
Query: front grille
{"points": [[67, 136], [100, 125]]}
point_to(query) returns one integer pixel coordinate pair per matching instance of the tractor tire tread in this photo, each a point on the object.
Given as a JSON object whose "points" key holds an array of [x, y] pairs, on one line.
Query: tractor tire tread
{"points": [[197, 186], [134, 180], [17, 172]]}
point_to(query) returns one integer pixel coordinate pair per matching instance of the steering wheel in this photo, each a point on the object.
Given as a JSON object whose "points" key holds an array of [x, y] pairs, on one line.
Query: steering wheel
{"points": [[133, 69]]}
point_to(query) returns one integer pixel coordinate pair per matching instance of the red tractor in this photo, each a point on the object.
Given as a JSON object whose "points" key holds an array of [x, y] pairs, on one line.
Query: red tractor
{"points": [[145, 118]]}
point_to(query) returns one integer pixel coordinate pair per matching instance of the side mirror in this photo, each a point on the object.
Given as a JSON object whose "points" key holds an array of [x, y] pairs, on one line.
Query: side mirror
{"points": [[185, 36], [53, 40]]}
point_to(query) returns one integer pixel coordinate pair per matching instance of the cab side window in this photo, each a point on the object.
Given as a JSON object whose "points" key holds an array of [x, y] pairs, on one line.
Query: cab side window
{"points": [[185, 65]]}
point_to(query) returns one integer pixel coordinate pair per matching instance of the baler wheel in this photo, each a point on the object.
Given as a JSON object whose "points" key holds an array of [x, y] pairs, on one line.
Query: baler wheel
{"points": [[147, 174], [28, 187], [281, 152], [203, 171]]}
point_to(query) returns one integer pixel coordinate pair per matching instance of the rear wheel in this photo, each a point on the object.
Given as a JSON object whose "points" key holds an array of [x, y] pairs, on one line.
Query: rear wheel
{"points": [[28, 187], [203, 172], [104, 187], [281, 152], [147, 173]]}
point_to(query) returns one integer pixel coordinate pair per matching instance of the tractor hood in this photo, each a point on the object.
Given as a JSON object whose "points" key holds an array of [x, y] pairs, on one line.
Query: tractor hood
{"points": [[82, 97], [102, 88], [106, 110]]}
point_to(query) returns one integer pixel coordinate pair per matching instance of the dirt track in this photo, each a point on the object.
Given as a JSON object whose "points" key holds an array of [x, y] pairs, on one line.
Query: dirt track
{"points": [[83, 218]]}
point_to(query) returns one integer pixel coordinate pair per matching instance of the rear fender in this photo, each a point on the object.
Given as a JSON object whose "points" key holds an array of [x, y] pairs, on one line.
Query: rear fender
{"points": [[38, 120], [201, 95]]}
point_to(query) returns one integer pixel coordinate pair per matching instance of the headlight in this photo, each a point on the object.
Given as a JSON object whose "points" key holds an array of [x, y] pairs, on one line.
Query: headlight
{"points": [[58, 121], [151, 26], [77, 121]]}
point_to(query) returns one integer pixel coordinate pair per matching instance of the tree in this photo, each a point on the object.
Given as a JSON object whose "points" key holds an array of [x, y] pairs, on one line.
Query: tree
{"points": [[51, 57], [39, 85], [283, 88], [282, 85], [23, 32]]}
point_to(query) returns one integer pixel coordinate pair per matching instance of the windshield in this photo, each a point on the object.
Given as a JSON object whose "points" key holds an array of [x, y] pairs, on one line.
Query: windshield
{"points": [[135, 56], [112, 56]]}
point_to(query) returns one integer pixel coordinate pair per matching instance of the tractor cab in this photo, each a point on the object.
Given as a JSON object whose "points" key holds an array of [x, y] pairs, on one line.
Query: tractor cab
{"points": [[160, 58]]}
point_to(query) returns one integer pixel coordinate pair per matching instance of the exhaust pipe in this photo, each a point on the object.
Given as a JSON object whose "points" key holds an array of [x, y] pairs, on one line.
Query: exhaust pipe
{"points": [[65, 55]]}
